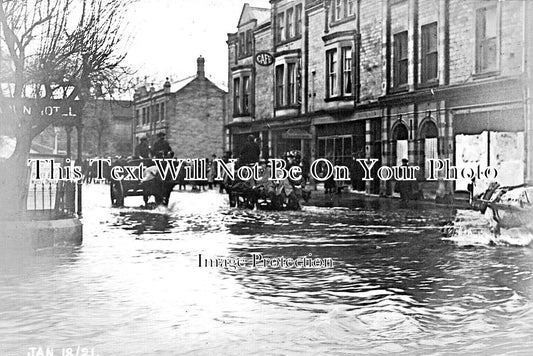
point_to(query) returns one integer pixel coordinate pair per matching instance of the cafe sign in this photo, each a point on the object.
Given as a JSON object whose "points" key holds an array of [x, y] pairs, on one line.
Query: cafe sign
{"points": [[264, 59]]}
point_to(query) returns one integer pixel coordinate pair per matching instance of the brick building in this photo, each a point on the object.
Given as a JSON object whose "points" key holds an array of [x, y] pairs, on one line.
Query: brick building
{"points": [[191, 112], [388, 79]]}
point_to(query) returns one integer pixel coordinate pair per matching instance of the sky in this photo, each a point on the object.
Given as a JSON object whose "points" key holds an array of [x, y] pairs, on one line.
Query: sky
{"points": [[167, 36]]}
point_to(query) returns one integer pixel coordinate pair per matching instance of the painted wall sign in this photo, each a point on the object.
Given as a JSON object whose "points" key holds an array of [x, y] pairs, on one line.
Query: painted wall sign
{"points": [[264, 59]]}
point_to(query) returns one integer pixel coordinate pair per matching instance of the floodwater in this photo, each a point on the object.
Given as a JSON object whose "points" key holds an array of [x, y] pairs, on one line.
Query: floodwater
{"points": [[402, 282]]}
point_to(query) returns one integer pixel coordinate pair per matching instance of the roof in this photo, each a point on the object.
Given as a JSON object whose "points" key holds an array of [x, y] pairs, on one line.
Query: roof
{"points": [[250, 13]]}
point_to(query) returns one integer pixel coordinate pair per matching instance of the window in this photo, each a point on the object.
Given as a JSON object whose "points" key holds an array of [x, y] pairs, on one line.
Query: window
{"points": [[338, 11], [241, 44], [279, 85], [342, 9], [347, 82], [400, 59], [486, 39], [298, 20], [162, 112], [331, 60], [144, 116], [249, 41], [236, 96], [350, 8], [148, 116], [156, 113], [429, 53], [138, 117], [246, 95], [291, 84], [290, 23], [281, 27]]}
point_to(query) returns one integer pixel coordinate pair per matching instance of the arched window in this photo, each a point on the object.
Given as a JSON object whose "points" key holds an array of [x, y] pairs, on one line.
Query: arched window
{"points": [[400, 138], [429, 143]]}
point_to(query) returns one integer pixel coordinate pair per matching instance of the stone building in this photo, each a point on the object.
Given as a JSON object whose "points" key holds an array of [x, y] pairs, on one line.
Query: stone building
{"points": [[191, 113], [388, 79]]}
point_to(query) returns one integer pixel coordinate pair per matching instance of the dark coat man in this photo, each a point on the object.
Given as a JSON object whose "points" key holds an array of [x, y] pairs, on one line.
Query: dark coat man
{"points": [[161, 147], [250, 151], [143, 149]]}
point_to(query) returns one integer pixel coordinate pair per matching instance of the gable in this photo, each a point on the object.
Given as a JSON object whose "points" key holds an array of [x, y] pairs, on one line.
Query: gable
{"points": [[250, 13]]}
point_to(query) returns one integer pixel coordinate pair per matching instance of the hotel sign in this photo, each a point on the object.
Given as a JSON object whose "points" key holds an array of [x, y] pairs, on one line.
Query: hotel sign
{"points": [[61, 110], [264, 59]]}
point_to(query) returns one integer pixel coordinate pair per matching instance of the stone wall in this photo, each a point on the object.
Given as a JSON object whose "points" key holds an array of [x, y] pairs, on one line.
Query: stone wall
{"points": [[196, 128]]}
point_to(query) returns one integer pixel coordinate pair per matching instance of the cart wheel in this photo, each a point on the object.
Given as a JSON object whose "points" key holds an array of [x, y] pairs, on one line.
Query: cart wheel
{"points": [[117, 193]]}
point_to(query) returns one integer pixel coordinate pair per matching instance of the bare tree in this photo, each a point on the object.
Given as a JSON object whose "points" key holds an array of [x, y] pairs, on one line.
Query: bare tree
{"points": [[58, 49]]}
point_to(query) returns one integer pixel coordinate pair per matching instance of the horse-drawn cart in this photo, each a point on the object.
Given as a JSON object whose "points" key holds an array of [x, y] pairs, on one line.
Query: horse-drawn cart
{"points": [[151, 184]]}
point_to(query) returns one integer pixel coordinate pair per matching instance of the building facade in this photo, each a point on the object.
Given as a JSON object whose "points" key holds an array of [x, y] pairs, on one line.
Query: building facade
{"points": [[192, 115], [388, 80]]}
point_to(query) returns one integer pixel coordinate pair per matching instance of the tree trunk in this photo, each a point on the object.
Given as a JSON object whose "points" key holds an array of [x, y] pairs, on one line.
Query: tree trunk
{"points": [[14, 175]]}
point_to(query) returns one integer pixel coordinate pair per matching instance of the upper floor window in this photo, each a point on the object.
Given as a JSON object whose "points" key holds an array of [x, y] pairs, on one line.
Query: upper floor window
{"points": [[342, 9], [245, 43], [338, 10], [156, 112], [486, 39], [339, 71], [289, 24], [246, 94], [429, 53], [287, 84], [236, 96], [241, 44], [347, 82], [162, 112], [298, 20], [331, 72], [280, 84], [291, 84], [281, 27], [138, 117], [400, 62], [249, 42]]}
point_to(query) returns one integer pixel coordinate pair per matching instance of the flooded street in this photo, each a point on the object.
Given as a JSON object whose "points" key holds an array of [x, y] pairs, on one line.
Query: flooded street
{"points": [[399, 283]]}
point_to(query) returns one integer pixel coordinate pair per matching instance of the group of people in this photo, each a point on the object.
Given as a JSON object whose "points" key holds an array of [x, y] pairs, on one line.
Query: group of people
{"points": [[160, 149]]}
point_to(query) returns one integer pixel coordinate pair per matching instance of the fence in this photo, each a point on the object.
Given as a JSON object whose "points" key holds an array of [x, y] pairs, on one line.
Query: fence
{"points": [[53, 200]]}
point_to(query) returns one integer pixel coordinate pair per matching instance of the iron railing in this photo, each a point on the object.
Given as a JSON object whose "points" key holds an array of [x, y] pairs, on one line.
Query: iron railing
{"points": [[53, 200]]}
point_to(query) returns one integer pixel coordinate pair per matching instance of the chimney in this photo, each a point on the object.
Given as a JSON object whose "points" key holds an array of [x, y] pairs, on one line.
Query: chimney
{"points": [[201, 67]]}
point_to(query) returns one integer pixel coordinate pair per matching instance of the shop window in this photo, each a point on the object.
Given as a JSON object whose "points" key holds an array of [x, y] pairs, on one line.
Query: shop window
{"points": [[429, 53], [486, 39]]}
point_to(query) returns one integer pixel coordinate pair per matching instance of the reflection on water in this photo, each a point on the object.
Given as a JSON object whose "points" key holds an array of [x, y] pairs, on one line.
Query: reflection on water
{"points": [[400, 283]]}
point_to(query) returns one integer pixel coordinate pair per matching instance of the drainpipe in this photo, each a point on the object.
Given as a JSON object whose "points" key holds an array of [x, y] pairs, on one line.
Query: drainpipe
{"points": [[526, 74]]}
